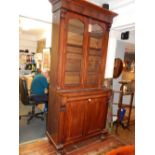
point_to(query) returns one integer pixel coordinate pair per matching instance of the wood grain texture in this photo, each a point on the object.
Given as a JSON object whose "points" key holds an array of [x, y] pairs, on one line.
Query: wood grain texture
{"points": [[85, 8], [77, 100]]}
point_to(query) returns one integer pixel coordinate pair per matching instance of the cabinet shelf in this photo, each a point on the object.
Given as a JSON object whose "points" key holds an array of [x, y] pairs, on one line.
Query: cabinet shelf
{"points": [[80, 46], [96, 49], [69, 71], [74, 45], [70, 52], [96, 55]]}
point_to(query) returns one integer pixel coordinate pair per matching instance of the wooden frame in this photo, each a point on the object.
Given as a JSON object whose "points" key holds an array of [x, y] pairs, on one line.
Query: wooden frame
{"points": [[77, 110], [46, 59]]}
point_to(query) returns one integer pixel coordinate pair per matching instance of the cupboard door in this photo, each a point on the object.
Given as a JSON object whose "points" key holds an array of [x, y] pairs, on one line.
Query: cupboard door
{"points": [[74, 122], [96, 114], [95, 52], [74, 51]]}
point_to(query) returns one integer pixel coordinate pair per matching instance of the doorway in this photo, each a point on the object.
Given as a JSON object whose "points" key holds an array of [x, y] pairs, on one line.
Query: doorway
{"points": [[34, 54]]}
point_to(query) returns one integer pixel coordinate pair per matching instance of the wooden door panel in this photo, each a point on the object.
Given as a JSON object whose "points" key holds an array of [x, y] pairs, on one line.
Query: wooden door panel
{"points": [[96, 115], [74, 120]]}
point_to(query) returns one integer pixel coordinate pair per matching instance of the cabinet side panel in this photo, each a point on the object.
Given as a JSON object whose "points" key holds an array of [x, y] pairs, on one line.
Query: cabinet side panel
{"points": [[53, 105], [53, 116], [55, 49]]}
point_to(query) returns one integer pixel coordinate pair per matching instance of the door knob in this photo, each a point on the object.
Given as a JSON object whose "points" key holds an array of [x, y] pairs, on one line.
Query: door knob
{"points": [[89, 99]]}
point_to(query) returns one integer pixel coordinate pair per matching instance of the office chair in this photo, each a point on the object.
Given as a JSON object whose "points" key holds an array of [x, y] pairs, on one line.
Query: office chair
{"points": [[29, 100]]}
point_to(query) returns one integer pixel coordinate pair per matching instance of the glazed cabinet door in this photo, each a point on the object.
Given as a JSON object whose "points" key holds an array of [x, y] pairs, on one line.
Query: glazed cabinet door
{"points": [[74, 120], [96, 53], [96, 114], [73, 66]]}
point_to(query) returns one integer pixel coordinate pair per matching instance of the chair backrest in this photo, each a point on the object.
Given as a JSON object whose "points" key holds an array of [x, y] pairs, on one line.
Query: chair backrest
{"points": [[23, 91]]}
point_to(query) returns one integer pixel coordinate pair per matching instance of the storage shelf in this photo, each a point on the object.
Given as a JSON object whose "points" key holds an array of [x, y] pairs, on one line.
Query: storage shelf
{"points": [[74, 53], [80, 46], [95, 55], [96, 49], [74, 45], [75, 71]]}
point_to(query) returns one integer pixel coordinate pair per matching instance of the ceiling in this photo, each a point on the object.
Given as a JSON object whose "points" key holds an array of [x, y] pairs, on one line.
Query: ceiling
{"points": [[33, 26], [34, 20]]}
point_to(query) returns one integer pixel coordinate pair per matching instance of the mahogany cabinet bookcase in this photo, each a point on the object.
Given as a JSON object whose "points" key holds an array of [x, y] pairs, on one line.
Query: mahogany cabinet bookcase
{"points": [[78, 102]]}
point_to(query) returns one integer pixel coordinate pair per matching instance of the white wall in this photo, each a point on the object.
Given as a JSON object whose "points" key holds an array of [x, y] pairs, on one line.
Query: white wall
{"points": [[110, 58], [27, 41], [116, 49], [113, 49], [38, 9], [126, 16], [46, 35], [119, 53]]}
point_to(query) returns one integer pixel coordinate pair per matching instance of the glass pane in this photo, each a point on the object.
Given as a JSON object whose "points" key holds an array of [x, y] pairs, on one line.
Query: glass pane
{"points": [[95, 52], [74, 53]]}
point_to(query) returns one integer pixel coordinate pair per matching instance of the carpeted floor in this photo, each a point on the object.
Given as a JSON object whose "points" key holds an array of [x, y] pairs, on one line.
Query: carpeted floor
{"points": [[28, 132]]}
